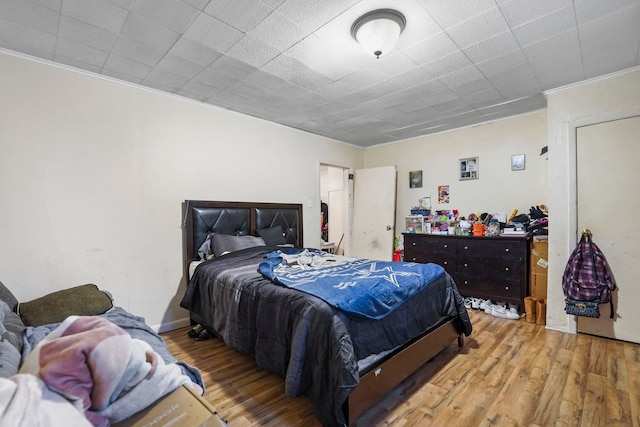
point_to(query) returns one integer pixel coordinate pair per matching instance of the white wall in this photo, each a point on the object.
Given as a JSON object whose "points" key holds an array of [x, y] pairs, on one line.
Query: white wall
{"points": [[597, 101], [93, 173], [498, 189]]}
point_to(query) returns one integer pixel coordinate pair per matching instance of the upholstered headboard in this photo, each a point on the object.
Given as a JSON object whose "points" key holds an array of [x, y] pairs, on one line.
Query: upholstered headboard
{"points": [[202, 217]]}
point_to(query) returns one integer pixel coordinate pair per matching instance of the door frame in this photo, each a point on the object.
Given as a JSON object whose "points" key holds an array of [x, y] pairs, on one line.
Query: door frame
{"points": [[574, 234], [347, 182]]}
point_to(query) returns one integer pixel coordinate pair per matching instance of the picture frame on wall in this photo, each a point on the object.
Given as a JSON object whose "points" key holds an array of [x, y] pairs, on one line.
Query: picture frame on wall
{"points": [[517, 162], [415, 179], [468, 168]]}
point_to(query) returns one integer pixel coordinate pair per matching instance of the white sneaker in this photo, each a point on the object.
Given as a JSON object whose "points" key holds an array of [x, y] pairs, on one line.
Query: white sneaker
{"points": [[476, 303], [485, 304], [505, 313]]}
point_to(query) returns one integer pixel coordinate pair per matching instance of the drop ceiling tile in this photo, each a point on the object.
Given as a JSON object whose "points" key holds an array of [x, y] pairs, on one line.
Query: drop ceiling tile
{"points": [[555, 53], [313, 14], [216, 79], [520, 12], [84, 33], [172, 14], [448, 64], [482, 98], [451, 13], [505, 62], [233, 67], [194, 51], [253, 51], [199, 4], [27, 40], [138, 52], [30, 15], [80, 52], [492, 48], [292, 70], [179, 66], [359, 80], [241, 14], [612, 60], [461, 77], [55, 5], [323, 58], [278, 31], [590, 10], [213, 33], [334, 90], [274, 4], [432, 48], [95, 12], [546, 27], [75, 63], [125, 4], [165, 78], [487, 25], [148, 32], [611, 31], [198, 90], [551, 79], [117, 65], [526, 86]]}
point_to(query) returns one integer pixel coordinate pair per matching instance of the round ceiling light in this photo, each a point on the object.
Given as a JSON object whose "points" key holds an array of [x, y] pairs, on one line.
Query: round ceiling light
{"points": [[378, 31]]}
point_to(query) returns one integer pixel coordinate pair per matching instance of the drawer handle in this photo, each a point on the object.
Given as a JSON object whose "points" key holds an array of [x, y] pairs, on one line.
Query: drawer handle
{"points": [[506, 269], [413, 259], [445, 263], [506, 250], [466, 283], [413, 243], [466, 247], [466, 265], [446, 246], [506, 288]]}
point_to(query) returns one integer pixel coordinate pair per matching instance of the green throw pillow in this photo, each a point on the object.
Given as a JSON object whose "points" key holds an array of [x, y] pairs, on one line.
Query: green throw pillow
{"points": [[84, 300]]}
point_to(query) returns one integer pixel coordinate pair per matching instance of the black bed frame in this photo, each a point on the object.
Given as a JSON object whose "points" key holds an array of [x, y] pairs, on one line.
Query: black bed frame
{"points": [[245, 218]]}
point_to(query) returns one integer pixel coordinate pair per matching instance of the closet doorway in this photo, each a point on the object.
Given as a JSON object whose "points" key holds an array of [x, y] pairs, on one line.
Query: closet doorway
{"points": [[334, 208], [607, 204]]}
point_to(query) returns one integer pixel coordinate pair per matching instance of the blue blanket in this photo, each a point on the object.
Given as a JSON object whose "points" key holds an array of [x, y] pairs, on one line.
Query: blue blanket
{"points": [[359, 287]]}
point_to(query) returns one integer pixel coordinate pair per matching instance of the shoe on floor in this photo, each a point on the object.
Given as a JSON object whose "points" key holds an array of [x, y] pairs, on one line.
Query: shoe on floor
{"points": [[203, 335], [467, 302], [193, 332], [505, 313], [485, 304], [476, 303]]}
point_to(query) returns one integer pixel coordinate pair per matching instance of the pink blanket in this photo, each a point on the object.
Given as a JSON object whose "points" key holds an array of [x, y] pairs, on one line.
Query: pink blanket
{"points": [[102, 370]]}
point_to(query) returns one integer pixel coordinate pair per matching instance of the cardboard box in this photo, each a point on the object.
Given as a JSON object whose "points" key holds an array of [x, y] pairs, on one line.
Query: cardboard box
{"points": [[182, 407], [539, 264]]}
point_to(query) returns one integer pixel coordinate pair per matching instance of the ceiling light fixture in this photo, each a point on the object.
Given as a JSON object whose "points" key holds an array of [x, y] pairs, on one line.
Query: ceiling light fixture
{"points": [[378, 31]]}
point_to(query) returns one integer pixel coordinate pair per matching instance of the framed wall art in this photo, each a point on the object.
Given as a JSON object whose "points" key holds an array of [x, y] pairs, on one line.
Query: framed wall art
{"points": [[415, 179], [517, 162], [468, 168]]}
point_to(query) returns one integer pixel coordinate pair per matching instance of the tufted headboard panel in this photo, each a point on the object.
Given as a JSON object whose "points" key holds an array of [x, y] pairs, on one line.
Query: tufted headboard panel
{"points": [[202, 217]]}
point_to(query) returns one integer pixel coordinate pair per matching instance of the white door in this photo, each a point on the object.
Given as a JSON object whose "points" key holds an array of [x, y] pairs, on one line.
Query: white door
{"points": [[374, 212], [608, 204]]}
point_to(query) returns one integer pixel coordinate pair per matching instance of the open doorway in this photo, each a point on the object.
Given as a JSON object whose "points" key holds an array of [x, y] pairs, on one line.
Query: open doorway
{"points": [[334, 203]]}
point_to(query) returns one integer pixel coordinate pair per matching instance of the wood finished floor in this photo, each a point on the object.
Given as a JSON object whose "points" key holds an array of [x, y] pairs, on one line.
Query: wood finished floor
{"points": [[509, 373]]}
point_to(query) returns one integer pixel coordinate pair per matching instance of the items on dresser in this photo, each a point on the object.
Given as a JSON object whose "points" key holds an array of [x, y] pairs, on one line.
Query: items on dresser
{"points": [[492, 268]]}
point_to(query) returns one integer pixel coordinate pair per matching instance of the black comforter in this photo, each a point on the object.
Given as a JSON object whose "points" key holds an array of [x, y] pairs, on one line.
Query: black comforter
{"points": [[314, 346]]}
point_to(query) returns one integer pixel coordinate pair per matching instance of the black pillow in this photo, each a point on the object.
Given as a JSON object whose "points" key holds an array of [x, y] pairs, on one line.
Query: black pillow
{"points": [[272, 236], [223, 243]]}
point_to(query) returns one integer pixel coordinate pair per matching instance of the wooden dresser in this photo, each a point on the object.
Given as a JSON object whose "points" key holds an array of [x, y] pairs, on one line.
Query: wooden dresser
{"points": [[495, 268]]}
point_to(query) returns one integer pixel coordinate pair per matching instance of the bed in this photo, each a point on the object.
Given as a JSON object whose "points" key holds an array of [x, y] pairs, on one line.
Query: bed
{"points": [[344, 362], [75, 346]]}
